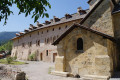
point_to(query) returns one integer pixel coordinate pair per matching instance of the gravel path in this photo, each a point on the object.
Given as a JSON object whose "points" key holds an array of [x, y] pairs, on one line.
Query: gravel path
{"points": [[40, 70]]}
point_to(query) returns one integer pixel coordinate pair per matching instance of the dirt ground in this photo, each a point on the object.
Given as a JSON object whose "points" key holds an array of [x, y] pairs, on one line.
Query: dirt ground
{"points": [[41, 71]]}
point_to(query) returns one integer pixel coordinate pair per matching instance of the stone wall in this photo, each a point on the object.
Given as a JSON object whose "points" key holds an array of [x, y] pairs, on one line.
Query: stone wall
{"points": [[94, 60], [101, 19]]}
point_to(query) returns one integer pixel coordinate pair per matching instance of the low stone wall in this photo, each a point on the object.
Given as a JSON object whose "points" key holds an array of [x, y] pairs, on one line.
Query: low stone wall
{"points": [[8, 72]]}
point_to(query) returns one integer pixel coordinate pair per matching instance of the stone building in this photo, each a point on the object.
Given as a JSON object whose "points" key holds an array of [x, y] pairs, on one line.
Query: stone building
{"points": [[37, 39], [91, 49]]}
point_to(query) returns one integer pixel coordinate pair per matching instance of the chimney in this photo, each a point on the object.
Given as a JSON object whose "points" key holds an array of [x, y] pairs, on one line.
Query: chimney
{"points": [[37, 23], [26, 30], [17, 34], [78, 9], [21, 33], [81, 11], [47, 22], [67, 16], [56, 19]]}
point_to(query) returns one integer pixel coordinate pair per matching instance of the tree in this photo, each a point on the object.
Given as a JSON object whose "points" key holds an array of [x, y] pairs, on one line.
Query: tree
{"points": [[36, 7], [7, 46]]}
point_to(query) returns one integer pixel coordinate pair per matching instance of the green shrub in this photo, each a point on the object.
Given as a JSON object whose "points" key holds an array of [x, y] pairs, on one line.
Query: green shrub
{"points": [[14, 58], [9, 60], [32, 57]]}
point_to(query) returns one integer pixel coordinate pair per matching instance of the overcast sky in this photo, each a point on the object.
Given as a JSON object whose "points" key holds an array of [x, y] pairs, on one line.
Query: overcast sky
{"points": [[59, 9]]}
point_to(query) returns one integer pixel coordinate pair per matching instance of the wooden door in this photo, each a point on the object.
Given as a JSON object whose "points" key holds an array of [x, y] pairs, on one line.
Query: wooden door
{"points": [[41, 56]]}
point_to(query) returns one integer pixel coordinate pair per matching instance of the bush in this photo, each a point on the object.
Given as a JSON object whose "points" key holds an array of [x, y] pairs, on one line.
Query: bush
{"points": [[32, 57], [14, 58], [9, 60]]}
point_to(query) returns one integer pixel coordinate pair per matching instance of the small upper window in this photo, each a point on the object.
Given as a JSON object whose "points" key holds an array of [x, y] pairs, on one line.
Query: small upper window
{"points": [[48, 40], [42, 32], [47, 30], [39, 43], [30, 43], [66, 26], [23, 45], [59, 28], [38, 32], [79, 44], [46, 52], [53, 29]]}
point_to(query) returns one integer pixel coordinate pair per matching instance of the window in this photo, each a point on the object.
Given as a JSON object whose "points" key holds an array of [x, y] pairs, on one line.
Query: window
{"points": [[47, 30], [23, 45], [53, 29], [48, 40], [59, 28], [46, 52], [30, 35], [42, 32], [30, 44], [39, 43], [66, 26], [38, 32], [79, 44], [45, 40]]}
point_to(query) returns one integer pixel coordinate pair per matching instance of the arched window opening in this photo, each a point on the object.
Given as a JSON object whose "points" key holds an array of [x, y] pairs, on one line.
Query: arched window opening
{"points": [[48, 40], [46, 52], [79, 44]]}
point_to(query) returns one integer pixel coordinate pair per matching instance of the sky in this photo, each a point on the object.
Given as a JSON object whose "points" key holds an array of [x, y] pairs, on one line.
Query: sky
{"points": [[58, 8]]}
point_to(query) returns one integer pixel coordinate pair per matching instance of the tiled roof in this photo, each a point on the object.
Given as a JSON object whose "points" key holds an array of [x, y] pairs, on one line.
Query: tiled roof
{"points": [[82, 27], [75, 16]]}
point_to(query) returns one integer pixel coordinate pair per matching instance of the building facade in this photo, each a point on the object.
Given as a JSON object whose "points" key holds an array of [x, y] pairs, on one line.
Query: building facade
{"points": [[37, 39]]}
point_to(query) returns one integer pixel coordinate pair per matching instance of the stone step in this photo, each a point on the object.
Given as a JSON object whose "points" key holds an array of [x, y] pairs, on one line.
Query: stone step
{"points": [[114, 79], [57, 73], [116, 75]]}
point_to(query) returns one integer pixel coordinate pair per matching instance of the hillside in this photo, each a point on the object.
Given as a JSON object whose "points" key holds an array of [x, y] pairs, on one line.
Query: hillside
{"points": [[6, 36]]}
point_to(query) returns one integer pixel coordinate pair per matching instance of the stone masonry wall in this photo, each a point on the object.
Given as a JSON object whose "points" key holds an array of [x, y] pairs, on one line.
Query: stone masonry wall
{"points": [[101, 19], [95, 50]]}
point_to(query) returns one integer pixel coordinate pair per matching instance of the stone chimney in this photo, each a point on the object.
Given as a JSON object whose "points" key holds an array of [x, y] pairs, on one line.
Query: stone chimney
{"points": [[37, 23], [26, 30], [56, 19], [47, 22], [81, 11], [78, 9], [67, 16], [17, 34]]}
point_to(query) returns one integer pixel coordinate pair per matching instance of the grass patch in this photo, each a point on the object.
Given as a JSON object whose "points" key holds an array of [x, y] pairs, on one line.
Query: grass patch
{"points": [[4, 61]]}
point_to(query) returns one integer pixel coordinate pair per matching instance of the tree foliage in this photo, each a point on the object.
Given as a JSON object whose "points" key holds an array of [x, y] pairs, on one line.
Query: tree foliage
{"points": [[35, 7], [7, 46]]}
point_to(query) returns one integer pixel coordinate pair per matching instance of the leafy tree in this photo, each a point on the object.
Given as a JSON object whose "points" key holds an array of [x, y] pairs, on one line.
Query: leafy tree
{"points": [[7, 46], [36, 7]]}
